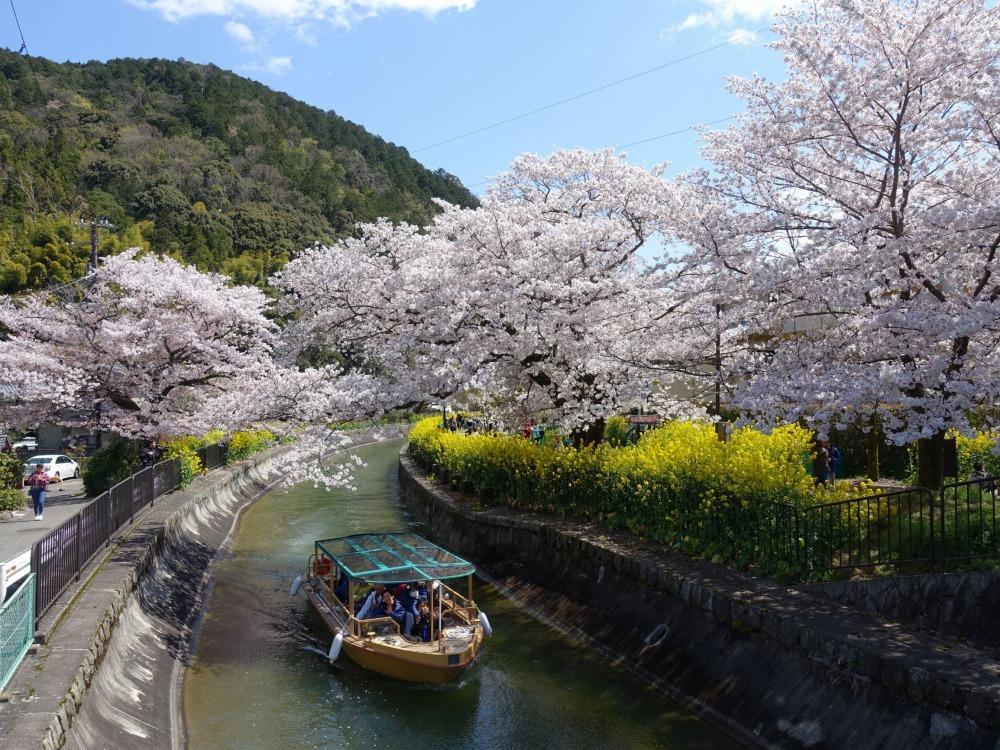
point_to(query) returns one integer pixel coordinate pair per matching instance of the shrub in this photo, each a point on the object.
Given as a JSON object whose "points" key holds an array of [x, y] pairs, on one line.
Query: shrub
{"points": [[212, 437], [244, 444], [11, 471], [111, 464], [12, 499], [185, 450], [977, 448], [616, 431]]}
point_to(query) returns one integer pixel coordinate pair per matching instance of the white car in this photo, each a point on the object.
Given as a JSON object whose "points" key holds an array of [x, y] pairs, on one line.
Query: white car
{"points": [[28, 443], [55, 465]]}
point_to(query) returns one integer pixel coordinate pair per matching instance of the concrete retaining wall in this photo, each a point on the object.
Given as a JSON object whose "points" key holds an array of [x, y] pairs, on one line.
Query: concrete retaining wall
{"points": [[773, 666], [958, 605]]}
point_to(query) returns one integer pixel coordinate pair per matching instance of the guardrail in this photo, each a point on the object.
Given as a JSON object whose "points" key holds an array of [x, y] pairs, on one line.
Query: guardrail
{"points": [[59, 556], [212, 456], [17, 628]]}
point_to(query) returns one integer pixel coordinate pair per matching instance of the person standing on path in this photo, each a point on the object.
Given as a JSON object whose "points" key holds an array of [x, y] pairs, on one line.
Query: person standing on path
{"points": [[821, 465], [38, 483]]}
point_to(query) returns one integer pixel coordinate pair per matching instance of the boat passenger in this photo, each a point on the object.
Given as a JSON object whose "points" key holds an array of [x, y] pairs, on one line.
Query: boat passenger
{"points": [[390, 608], [422, 624], [421, 592], [371, 603], [342, 589]]}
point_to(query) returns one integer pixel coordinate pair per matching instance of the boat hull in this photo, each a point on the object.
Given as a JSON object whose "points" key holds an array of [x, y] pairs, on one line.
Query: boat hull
{"points": [[409, 670]]}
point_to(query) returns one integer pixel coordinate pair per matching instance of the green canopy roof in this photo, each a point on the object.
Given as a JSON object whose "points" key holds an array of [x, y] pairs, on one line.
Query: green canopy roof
{"points": [[394, 558]]}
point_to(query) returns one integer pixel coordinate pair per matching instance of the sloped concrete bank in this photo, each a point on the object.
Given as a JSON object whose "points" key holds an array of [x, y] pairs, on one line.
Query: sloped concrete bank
{"points": [[775, 667]]}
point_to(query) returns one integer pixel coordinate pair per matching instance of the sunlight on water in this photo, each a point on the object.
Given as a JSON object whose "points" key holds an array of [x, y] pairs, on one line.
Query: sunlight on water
{"points": [[260, 679]]}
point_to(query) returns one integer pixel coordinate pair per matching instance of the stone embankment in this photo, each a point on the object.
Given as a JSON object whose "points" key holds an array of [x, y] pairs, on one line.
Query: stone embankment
{"points": [[116, 644], [957, 605], [774, 666]]}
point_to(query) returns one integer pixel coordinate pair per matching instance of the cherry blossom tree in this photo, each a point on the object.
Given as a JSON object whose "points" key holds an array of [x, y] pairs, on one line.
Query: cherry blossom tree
{"points": [[868, 184], [144, 347], [540, 295]]}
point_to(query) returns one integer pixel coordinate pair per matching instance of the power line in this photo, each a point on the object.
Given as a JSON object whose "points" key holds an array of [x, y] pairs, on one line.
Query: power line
{"points": [[677, 132], [735, 39], [24, 44], [649, 140]]}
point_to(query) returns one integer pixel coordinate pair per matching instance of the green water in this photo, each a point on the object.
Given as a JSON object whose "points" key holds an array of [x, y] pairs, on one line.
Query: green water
{"points": [[260, 679]]}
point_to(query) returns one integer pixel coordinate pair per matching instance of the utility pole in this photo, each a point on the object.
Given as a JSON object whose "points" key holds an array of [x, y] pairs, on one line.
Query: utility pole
{"points": [[718, 361], [94, 224], [93, 244]]}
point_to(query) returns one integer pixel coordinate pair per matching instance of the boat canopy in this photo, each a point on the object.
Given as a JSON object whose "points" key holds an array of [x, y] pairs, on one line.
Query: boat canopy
{"points": [[393, 558]]}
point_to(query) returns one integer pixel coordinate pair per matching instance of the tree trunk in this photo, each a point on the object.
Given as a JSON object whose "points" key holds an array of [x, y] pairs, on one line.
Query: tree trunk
{"points": [[592, 434], [874, 439], [930, 461]]}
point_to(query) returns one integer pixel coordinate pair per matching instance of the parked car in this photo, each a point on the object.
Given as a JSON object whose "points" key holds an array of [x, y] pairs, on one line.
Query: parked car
{"points": [[27, 443], [55, 465]]}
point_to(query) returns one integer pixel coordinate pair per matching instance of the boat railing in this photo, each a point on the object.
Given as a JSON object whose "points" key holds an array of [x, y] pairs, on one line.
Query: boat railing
{"points": [[361, 628], [461, 606], [321, 568]]}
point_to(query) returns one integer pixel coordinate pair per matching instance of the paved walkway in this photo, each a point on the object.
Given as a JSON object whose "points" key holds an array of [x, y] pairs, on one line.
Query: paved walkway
{"points": [[61, 502]]}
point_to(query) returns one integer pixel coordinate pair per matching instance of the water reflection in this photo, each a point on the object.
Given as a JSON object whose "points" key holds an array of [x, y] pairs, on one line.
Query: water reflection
{"points": [[260, 678]]}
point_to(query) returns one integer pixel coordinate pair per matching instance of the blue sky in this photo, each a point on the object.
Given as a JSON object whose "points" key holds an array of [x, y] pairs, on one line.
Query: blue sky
{"points": [[418, 72]]}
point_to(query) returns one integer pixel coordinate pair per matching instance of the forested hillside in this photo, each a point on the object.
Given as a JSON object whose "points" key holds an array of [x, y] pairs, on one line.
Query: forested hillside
{"points": [[184, 159]]}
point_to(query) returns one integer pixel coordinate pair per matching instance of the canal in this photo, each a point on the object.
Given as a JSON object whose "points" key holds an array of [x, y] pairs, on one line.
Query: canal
{"points": [[260, 679]]}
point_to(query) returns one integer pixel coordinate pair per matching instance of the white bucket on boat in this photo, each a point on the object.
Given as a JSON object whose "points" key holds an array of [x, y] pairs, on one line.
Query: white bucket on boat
{"points": [[338, 641], [484, 621], [295, 586]]}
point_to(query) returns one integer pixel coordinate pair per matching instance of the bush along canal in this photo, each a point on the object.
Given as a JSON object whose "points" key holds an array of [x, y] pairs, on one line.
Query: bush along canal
{"points": [[260, 678]]}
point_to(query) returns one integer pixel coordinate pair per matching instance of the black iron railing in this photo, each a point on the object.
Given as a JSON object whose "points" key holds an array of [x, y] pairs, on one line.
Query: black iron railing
{"points": [[59, 556], [212, 456], [903, 527]]}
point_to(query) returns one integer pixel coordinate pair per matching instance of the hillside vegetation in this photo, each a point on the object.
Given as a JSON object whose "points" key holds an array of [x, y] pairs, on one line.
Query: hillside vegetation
{"points": [[188, 160]]}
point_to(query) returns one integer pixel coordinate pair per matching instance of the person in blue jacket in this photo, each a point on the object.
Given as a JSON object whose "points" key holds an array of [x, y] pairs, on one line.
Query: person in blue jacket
{"points": [[342, 589], [391, 608]]}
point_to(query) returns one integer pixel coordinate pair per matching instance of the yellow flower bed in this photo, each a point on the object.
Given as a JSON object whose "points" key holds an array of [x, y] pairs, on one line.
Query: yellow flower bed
{"points": [[678, 485], [245, 443]]}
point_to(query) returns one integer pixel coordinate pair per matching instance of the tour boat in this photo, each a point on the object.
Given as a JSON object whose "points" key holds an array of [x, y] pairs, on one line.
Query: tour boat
{"points": [[368, 561]]}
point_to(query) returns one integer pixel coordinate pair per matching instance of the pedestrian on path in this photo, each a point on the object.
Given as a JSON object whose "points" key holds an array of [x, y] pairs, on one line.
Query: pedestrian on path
{"points": [[821, 465], [38, 482]]}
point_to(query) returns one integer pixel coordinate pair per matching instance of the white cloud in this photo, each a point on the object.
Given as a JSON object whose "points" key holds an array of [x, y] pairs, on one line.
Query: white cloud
{"points": [[340, 12], [742, 37], [278, 65], [724, 13], [240, 32]]}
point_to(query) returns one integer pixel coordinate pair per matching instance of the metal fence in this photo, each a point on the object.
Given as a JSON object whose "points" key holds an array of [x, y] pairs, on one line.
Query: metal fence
{"points": [[17, 628], [903, 527], [212, 456], [59, 556]]}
